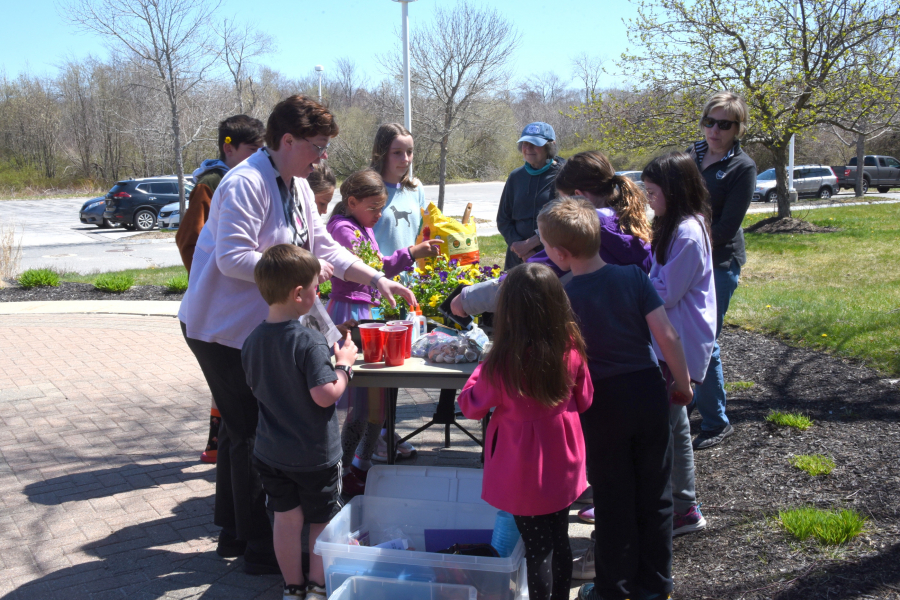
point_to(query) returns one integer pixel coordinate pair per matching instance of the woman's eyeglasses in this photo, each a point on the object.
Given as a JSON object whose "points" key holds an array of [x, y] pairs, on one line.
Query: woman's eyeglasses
{"points": [[723, 124], [322, 150]]}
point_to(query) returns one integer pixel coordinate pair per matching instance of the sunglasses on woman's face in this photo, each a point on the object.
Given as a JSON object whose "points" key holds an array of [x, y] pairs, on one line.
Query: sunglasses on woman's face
{"points": [[723, 124]]}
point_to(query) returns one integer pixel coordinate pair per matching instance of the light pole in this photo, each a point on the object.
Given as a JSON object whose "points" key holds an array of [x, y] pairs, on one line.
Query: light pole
{"points": [[320, 69], [407, 102]]}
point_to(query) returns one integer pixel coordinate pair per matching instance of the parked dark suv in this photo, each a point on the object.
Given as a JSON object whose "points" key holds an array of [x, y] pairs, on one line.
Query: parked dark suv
{"points": [[135, 203]]}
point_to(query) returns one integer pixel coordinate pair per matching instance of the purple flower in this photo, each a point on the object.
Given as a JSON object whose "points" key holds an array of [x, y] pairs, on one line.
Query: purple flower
{"points": [[410, 268], [443, 275], [453, 262], [495, 267]]}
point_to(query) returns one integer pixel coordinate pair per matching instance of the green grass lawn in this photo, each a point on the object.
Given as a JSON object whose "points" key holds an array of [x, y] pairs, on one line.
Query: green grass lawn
{"points": [[157, 276], [838, 292]]}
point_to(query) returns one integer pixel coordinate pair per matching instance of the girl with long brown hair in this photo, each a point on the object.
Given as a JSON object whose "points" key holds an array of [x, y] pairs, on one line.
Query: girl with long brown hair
{"points": [[536, 379]]}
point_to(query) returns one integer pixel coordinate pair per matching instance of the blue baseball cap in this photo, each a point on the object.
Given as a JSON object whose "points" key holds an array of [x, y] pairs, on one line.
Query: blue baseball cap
{"points": [[537, 133]]}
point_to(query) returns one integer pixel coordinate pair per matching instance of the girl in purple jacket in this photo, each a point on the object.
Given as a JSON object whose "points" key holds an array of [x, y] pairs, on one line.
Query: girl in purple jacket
{"points": [[363, 197], [536, 379], [682, 274]]}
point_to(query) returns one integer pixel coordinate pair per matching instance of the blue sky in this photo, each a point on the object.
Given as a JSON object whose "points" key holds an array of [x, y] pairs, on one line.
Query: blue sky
{"points": [[37, 38]]}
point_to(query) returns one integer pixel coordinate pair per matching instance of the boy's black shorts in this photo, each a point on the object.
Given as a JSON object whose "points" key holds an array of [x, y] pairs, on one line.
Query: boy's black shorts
{"points": [[318, 493]]}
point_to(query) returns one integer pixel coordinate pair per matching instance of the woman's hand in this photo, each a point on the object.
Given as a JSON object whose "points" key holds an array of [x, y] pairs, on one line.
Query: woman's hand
{"points": [[388, 287], [426, 249], [456, 306], [326, 272], [525, 248]]}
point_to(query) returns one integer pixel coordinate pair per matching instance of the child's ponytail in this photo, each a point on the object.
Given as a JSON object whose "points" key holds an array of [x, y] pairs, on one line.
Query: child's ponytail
{"points": [[591, 172], [630, 204]]}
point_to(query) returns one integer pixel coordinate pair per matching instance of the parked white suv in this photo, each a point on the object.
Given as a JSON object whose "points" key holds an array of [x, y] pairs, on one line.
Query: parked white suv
{"points": [[809, 180]]}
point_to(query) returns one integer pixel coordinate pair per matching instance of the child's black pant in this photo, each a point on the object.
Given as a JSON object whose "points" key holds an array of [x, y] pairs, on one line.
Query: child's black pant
{"points": [[548, 554], [626, 433]]}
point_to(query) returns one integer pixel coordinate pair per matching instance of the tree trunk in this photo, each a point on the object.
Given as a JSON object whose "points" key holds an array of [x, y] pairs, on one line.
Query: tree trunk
{"points": [[860, 163], [176, 147], [779, 153], [442, 172]]}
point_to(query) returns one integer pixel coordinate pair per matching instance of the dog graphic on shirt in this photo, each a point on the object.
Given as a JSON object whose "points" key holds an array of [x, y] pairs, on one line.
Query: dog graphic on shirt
{"points": [[399, 214]]}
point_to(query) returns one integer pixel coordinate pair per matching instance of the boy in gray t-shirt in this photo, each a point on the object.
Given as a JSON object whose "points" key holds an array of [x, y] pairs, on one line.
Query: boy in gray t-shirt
{"points": [[298, 447]]}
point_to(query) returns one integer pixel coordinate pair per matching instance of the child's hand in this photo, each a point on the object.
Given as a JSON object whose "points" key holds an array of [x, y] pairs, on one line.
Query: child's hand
{"points": [[679, 396], [426, 249], [346, 326], [346, 354]]}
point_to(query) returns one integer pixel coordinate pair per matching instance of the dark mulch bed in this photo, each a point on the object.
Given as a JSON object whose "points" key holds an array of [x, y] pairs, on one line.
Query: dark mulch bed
{"points": [[744, 481], [84, 291], [787, 225]]}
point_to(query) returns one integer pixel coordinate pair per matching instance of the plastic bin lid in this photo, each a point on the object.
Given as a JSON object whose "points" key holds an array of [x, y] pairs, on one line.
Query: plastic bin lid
{"points": [[368, 587], [442, 484]]}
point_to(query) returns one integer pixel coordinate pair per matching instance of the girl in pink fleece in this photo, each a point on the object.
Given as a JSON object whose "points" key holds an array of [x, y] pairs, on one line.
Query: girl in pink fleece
{"points": [[536, 380]]}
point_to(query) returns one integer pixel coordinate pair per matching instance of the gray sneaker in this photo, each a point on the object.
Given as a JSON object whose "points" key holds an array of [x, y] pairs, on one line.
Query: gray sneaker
{"points": [[708, 439], [583, 566]]}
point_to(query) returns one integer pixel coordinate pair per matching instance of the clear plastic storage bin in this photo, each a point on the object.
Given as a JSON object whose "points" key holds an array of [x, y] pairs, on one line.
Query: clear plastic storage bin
{"points": [[453, 501], [374, 588]]}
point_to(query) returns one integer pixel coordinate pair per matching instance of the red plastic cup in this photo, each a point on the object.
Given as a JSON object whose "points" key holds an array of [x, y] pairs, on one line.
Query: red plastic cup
{"points": [[394, 342], [409, 331], [372, 341]]}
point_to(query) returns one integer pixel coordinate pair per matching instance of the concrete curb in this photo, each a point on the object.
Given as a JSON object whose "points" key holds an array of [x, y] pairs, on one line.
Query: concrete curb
{"points": [[149, 308]]}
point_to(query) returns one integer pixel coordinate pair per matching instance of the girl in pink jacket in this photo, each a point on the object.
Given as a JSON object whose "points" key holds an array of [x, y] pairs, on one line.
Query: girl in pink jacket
{"points": [[536, 380]]}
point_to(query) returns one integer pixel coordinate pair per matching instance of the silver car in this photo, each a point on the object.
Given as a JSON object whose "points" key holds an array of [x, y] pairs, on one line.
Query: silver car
{"points": [[809, 180]]}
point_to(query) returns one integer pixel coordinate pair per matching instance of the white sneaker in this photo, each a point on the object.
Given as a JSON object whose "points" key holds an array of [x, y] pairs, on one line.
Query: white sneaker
{"points": [[583, 566], [404, 450]]}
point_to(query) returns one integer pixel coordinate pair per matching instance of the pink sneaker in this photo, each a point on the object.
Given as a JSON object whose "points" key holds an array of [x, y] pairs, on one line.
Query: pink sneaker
{"points": [[688, 522], [587, 514]]}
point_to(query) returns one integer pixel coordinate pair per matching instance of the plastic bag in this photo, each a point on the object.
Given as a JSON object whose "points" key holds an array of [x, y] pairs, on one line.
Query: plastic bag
{"points": [[468, 346], [461, 240], [425, 343]]}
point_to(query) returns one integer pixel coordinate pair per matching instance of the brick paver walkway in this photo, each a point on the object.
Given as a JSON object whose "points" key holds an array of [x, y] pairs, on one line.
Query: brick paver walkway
{"points": [[102, 420]]}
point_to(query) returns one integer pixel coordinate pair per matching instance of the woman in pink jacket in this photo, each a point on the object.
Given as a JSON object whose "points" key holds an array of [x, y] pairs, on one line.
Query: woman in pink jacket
{"points": [[537, 381], [262, 202]]}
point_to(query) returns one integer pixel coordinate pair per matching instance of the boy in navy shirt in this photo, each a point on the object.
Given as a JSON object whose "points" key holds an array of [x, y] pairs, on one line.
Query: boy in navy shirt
{"points": [[626, 430], [298, 443]]}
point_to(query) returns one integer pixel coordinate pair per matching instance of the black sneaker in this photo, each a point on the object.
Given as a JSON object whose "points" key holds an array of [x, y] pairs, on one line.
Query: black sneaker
{"points": [[229, 546], [708, 439]]}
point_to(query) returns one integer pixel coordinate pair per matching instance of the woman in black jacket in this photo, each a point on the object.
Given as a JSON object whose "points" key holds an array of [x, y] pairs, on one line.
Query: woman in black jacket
{"points": [[730, 177], [527, 190]]}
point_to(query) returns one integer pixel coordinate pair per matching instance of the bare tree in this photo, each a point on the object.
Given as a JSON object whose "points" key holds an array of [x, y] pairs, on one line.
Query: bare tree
{"points": [[588, 69], [546, 88], [349, 79], [167, 37], [457, 61], [240, 44]]}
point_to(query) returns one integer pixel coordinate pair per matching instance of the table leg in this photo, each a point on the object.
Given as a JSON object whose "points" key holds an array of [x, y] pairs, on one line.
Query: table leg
{"points": [[391, 416]]}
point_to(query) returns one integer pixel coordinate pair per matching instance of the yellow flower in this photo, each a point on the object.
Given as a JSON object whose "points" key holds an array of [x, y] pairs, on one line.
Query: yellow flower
{"points": [[227, 139], [429, 268], [768, 306], [824, 335], [464, 281], [419, 271], [397, 278], [433, 301], [357, 233], [495, 272]]}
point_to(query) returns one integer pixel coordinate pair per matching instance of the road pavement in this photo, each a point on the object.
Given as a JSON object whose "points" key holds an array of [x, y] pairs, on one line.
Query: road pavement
{"points": [[52, 235]]}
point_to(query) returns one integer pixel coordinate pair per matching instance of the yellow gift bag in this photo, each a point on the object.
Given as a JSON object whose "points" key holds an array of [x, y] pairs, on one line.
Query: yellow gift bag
{"points": [[461, 241]]}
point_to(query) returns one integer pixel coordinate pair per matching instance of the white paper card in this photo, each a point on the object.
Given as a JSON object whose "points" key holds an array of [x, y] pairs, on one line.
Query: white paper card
{"points": [[317, 318]]}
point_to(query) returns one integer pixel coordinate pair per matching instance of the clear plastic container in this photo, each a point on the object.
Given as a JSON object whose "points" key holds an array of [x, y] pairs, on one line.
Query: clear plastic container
{"points": [[375, 588], [452, 502]]}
